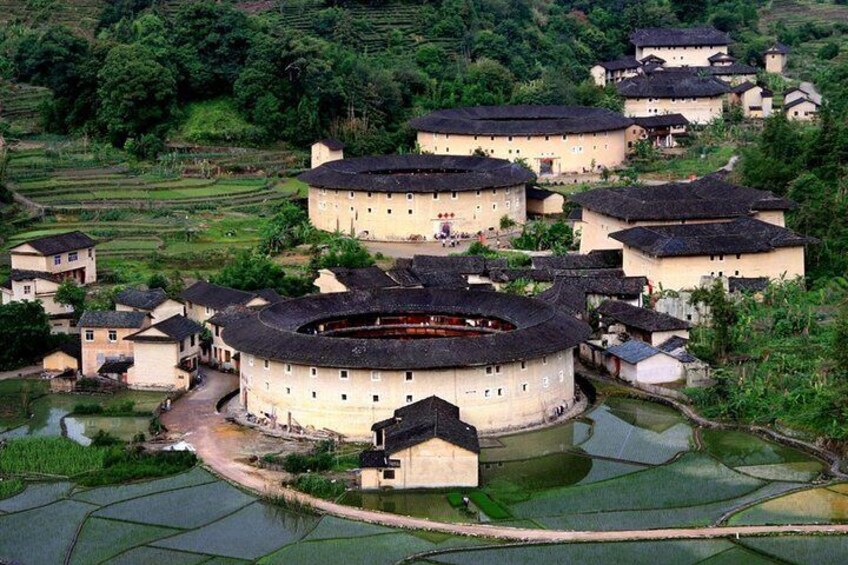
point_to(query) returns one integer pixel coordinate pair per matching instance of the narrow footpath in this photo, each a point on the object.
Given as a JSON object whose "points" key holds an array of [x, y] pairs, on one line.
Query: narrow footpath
{"points": [[223, 447]]}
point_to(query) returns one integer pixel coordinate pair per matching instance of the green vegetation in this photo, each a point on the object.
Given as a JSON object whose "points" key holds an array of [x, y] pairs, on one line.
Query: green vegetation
{"points": [[319, 485], [539, 235], [10, 487], [25, 334], [216, 122], [251, 270], [49, 456]]}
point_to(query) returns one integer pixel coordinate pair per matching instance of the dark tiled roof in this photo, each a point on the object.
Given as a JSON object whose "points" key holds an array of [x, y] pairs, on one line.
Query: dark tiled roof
{"points": [[536, 193], [520, 120], [116, 367], [742, 235], [676, 347], [176, 328], [463, 264], [720, 57], [373, 459], [652, 60], [569, 293], [641, 318], [215, 296], [269, 294], [142, 299], [778, 47], [231, 314], [599, 259], [111, 319], [332, 144], [725, 70], [621, 64], [743, 87], [72, 347], [799, 101], [509, 275], [404, 276], [672, 84], [633, 351], [54, 244], [540, 330], [678, 37], [364, 278], [424, 420], [747, 284], [442, 279], [417, 173], [707, 197], [25, 275], [662, 121], [576, 214]]}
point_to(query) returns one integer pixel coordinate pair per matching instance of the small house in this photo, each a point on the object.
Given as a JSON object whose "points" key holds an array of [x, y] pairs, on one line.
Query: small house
{"points": [[680, 47], [165, 355], [638, 362], [104, 340], [154, 301], [543, 202], [755, 101], [325, 151], [674, 91], [776, 57], [610, 72], [640, 324], [424, 445], [203, 300], [663, 131], [66, 357], [341, 279]]}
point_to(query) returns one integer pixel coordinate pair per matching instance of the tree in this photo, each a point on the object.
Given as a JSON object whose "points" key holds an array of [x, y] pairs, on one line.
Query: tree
{"points": [[838, 349], [158, 280], [24, 332], [539, 235], [343, 252], [288, 228], [251, 270], [723, 317], [137, 94], [71, 294]]}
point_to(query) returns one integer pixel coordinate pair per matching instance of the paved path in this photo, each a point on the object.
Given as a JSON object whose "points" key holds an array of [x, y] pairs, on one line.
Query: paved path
{"points": [[222, 445]]}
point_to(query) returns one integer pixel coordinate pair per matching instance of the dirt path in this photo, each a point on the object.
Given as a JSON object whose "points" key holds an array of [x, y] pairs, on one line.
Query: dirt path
{"points": [[223, 446]]}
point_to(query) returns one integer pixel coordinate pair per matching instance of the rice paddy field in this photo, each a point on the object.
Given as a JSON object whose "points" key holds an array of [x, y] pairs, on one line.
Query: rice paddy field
{"points": [[628, 464]]}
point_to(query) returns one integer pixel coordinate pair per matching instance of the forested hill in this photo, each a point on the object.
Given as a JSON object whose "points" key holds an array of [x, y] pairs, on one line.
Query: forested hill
{"points": [[295, 70]]}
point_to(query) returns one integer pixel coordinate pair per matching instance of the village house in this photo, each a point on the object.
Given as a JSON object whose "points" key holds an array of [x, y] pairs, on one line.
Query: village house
{"points": [[341, 279], [663, 131], [165, 355], [104, 340], [203, 299], [611, 72], [676, 257], [326, 150], [154, 301], [776, 57], [580, 295], [755, 101], [66, 357], [680, 47], [222, 355], [639, 362], [618, 318], [424, 445], [708, 199], [541, 202], [40, 265], [802, 103], [698, 98]]}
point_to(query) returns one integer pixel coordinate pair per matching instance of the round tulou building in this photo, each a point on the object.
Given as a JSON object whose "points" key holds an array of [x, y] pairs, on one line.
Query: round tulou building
{"points": [[554, 140], [415, 197], [344, 361]]}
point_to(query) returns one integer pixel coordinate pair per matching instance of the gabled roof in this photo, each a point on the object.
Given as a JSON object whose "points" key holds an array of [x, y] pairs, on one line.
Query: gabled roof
{"points": [[678, 37], [633, 351], [462, 264], [621, 64], [176, 328], [442, 279], [707, 197], [72, 347], [216, 296], [231, 315], [721, 57], [362, 279], [799, 101], [662, 121], [112, 319], [424, 420], [569, 293], [724, 70], [26, 275], [141, 299], [55, 244], [332, 144], [404, 276], [676, 347], [742, 235], [536, 193], [598, 259], [520, 120], [652, 60], [743, 87], [269, 294], [778, 48], [672, 83], [641, 318]]}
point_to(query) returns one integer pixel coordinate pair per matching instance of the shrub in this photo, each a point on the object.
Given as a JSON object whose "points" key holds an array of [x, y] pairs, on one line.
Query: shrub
{"points": [[87, 409], [50, 456], [319, 486], [122, 465]]}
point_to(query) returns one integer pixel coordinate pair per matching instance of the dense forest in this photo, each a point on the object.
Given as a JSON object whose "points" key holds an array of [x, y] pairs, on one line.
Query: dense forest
{"points": [[334, 74]]}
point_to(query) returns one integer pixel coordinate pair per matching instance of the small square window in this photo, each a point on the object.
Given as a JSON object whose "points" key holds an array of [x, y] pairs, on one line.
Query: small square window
{"points": [[313, 372], [408, 398], [343, 374], [288, 368], [266, 364], [407, 376], [113, 336], [288, 390], [375, 375], [497, 369], [487, 393], [375, 398], [500, 392], [545, 360], [344, 397], [73, 256], [489, 370], [314, 394], [409, 196], [523, 387], [545, 382], [27, 289], [389, 211], [454, 195], [388, 474], [89, 335], [524, 365], [409, 211], [435, 196], [57, 260]]}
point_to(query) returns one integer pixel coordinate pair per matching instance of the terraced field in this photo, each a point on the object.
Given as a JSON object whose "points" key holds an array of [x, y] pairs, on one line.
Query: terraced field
{"points": [[20, 106], [81, 15]]}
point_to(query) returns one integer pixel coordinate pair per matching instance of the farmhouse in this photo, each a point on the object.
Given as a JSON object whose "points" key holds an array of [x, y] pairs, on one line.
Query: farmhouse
{"points": [[220, 354], [203, 300], [579, 295], [553, 140], [541, 202], [708, 199], [343, 361], [698, 98], [66, 357], [416, 197], [154, 301], [423, 445], [611, 72], [40, 265], [341, 279], [104, 340], [680, 47], [679, 257], [663, 131], [165, 355], [639, 323], [801, 109], [325, 151], [638, 362], [776, 57], [755, 101]]}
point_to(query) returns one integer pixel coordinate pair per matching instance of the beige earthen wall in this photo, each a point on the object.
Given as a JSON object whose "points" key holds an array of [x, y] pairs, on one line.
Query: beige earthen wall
{"points": [[696, 110], [432, 464], [94, 353], [694, 56]]}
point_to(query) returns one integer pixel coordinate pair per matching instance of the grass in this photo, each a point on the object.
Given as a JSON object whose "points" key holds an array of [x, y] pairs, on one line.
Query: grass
{"points": [[690, 163], [49, 456], [214, 122], [10, 487]]}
